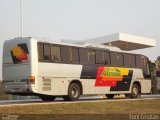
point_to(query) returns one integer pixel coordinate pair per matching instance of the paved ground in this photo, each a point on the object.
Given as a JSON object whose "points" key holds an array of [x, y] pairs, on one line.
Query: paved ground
{"points": [[82, 99]]}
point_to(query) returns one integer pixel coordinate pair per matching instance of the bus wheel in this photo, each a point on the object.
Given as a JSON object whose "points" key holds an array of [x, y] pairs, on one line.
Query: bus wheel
{"points": [[135, 91], [110, 96], [73, 92], [47, 97], [127, 95]]}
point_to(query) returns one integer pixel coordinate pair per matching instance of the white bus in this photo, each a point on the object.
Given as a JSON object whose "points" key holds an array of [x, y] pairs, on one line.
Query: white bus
{"points": [[36, 67]]}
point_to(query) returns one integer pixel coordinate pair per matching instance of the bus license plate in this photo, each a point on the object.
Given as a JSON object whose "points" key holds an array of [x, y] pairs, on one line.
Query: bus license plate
{"points": [[16, 90]]}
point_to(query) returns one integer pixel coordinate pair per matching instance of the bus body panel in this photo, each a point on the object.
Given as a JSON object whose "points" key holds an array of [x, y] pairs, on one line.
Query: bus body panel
{"points": [[54, 78], [58, 76], [59, 79], [145, 86], [17, 65], [34, 64]]}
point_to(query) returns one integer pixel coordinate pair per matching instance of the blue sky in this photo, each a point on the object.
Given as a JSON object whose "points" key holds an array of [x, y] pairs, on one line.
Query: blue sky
{"points": [[81, 19]]}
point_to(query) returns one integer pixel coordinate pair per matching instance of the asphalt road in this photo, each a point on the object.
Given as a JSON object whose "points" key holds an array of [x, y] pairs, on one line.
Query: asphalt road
{"points": [[82, 99]]}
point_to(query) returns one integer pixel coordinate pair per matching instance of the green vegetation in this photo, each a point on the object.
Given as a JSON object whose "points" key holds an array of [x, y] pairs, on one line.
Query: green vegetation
{"points": [[88, 110], [2, 95]]}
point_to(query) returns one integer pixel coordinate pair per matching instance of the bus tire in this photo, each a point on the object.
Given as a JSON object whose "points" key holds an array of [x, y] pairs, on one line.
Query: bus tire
{"points": [[127, 95], [47, 97], [134, 91], [110, 96], [74, 92]]}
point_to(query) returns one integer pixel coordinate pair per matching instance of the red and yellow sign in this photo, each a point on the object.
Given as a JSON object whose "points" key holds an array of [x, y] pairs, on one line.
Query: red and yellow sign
{"points": [[19, 53], [108, 76]]}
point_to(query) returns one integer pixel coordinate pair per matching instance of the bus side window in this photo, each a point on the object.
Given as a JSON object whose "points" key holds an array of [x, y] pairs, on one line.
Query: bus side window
{"points": [[40, 52], [91, 56], [145, 66], [148, 67], [106, 58], [138, 61], [113, 58], [99, 57], [47, 52], [75, 55], [66, 54], [129, 60], [83, 54], [120, 59], [133, 61], [56, 56], [142, 63]]}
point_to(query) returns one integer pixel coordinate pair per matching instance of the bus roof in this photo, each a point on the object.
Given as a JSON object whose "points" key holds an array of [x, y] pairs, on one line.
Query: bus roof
{"points": [[92, 46]]}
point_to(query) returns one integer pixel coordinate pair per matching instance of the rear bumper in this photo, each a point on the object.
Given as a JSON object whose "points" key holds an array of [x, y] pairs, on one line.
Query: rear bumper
{"points": [[17, 89]]}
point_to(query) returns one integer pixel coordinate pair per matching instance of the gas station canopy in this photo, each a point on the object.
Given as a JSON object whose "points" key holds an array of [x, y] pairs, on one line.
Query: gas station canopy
{"points": [[123, 41]]}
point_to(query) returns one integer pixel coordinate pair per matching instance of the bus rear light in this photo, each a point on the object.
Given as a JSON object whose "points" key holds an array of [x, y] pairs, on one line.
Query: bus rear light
{"points": [[32, 79]]}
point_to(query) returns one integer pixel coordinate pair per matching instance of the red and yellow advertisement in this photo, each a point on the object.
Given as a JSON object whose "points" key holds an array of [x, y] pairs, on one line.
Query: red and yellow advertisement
{"points": [[19, 53], [108, 76]]}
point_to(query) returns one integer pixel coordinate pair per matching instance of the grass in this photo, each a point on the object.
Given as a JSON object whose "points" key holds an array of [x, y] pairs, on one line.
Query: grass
{"points": [[2, 95], [89, 110], [107, 107]]}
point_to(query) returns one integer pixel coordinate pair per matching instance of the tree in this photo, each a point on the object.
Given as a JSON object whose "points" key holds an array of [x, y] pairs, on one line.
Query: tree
{"points": [[157, 62]]}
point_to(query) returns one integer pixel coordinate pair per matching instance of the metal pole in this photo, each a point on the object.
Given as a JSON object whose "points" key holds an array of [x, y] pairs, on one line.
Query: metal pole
{"points": [[21, 16]]}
